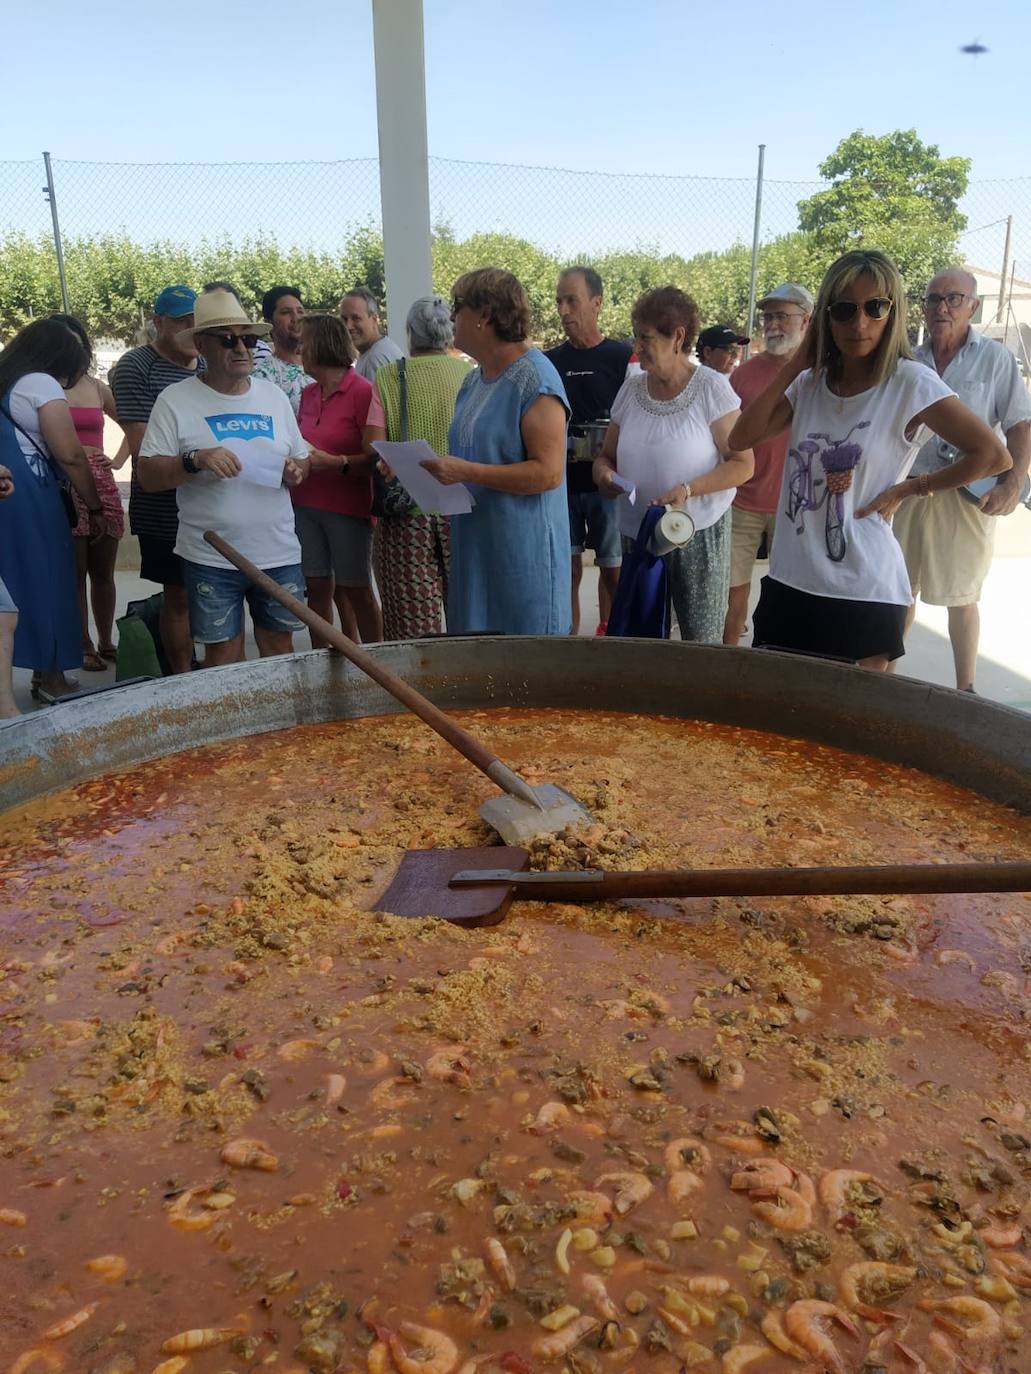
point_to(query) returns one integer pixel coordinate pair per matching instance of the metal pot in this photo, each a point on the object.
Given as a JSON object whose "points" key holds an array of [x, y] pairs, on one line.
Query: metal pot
{"points": [[951, 735], [585, 441]]}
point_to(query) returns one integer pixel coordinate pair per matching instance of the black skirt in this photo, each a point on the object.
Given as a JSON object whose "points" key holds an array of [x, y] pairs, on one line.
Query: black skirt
{"points": [[786, 618]]}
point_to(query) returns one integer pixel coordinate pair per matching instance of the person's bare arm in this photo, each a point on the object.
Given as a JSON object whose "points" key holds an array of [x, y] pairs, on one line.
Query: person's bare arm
{"points": [[732, 470], [770, 413], [134, 430], [983, 456], [1004, 498], [543, 431], [58, 431], [165, 471]]}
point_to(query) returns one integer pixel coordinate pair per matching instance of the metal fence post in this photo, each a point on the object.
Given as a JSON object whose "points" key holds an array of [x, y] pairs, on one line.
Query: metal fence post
{"points": [[753, 278], [1000, 313], [48, 191]]}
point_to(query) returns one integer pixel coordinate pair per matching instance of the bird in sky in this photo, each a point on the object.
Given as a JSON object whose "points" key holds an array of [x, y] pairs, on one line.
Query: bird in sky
{"points": [[974, 49]]}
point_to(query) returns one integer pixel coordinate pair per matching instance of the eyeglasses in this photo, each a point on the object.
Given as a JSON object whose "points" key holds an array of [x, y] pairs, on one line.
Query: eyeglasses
{"points": [[456, 305], [231, 340], [780, 316], [952, 299], [875, 309]]}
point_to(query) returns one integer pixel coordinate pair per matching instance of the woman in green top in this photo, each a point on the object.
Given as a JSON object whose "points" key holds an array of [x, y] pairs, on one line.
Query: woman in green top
{"points": [[411, 550]]}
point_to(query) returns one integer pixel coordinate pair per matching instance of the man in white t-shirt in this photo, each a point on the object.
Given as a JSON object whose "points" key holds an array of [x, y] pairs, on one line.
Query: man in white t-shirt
{"points": [[359, 310], [236, 485], [948, 542]]}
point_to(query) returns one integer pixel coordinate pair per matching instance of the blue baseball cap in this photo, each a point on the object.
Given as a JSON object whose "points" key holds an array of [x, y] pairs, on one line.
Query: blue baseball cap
{"points": [[175, 301]]}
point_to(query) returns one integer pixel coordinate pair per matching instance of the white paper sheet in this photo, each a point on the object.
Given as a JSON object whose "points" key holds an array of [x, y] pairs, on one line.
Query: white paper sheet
{"points": [[261, 462], [628, 488], [432, 497]]}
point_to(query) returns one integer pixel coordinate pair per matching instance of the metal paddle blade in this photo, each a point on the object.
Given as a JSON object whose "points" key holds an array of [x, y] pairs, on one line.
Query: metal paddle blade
{"points": [[420, 885], [517, 821]]}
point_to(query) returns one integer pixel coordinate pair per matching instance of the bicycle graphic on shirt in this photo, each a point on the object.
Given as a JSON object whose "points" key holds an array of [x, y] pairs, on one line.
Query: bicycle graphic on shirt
{"points": [[839, 460]]}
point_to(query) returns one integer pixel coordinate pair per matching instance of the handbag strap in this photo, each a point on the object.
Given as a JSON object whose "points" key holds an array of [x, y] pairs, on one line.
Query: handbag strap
{"points": [[47, 457], [402, 376]]}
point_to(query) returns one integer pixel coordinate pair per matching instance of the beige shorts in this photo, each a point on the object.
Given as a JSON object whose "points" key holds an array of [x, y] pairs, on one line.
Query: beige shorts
{"points": [[947, 544], [746, 533]]}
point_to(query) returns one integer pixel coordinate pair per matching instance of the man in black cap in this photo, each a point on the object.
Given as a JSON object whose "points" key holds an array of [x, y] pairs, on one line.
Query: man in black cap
{"points": [[719, 347]]}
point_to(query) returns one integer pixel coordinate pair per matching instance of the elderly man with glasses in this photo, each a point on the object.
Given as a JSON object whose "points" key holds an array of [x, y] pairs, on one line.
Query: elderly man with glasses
{"points": [[948, 541], [228, 444], [785, 315]]}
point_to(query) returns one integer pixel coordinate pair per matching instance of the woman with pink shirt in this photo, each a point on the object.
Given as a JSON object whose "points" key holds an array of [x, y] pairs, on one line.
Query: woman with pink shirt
{"points": [[333, 506]]}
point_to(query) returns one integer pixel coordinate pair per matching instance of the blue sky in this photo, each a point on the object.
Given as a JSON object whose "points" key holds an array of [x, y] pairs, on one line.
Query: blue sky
{"points": [[647, 86]]}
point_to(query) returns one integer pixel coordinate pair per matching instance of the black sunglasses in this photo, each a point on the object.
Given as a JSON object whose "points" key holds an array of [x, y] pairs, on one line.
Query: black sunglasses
{"points": [[876, 309], [231, 340]]}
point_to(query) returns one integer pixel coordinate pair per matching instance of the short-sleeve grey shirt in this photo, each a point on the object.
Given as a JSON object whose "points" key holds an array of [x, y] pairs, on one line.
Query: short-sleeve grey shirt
{"points": [[985, 376]]}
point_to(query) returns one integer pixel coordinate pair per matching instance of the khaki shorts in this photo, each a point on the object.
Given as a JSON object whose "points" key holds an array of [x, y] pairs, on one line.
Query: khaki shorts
{"points": [[746, 534], [947, 544]]}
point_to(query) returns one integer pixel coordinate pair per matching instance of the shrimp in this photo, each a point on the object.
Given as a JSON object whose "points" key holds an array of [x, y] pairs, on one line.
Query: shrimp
{"points": [[561, 1342], [245, 1153], [631, 1188], [594, 1287], [1001, 1237], [109, 1267], [451, 1064], [501, 1265], [392, 1092], [833, 1186], [682, 1184], [734, 1361], [550, 1117], [183, 1219], [877, 1280], [687, 1153], [761, 1173], [293, 1051], [1015, 1266], [887, 1351], [592, 1209], [739, 1137], [200, 1338], [27, 1363], [789, 1209], [803, 1321], [10, 1216], [972, 1320], [59, 1330], [433, 1353], [772, 1328]]}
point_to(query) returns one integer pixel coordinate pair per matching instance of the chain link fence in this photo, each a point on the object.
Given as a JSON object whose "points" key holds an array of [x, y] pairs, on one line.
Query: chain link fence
{"points": [[126, 227]]}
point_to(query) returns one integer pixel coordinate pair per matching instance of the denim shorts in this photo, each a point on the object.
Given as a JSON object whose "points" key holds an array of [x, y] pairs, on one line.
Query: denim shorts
{"points": [[6, 602], [216, 597], [593, 525]]}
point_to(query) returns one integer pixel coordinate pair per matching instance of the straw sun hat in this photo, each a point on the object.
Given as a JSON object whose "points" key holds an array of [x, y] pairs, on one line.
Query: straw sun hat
{"points": [[221, 310]]}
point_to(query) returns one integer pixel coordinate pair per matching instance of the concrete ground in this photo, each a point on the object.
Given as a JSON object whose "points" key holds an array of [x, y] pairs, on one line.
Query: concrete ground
{"points": [[1004, 670]]}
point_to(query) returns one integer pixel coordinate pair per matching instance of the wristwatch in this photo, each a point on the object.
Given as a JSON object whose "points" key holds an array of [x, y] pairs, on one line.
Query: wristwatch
{"points": [[190, 461]]}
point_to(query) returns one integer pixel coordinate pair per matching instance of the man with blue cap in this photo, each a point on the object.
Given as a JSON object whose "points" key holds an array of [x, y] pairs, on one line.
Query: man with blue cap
{"points": [[138, 379]]}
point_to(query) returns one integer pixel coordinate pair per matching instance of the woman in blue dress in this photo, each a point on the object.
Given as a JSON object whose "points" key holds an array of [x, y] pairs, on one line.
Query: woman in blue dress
{"points": [[39, 444], [510, 560]]}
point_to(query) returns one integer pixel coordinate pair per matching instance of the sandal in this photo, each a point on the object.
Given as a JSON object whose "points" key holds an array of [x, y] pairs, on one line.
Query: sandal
{"points": [[93, 662], [109, 652]]}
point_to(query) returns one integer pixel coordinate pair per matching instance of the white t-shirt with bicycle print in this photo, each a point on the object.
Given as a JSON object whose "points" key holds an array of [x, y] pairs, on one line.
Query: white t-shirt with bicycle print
{"points": [[844, 451]]}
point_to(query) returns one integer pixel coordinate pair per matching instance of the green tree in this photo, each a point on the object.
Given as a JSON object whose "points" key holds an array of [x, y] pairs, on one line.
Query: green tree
{"points": [[891, 192]]}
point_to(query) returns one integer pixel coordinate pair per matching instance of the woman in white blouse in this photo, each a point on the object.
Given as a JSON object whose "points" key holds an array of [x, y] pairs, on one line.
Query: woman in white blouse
{"points": [[855, 402], [670, 439]]}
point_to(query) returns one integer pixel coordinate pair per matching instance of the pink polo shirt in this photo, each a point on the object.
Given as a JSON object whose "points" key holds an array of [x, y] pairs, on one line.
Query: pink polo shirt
{"points": [[335, 425], [761, 492]]}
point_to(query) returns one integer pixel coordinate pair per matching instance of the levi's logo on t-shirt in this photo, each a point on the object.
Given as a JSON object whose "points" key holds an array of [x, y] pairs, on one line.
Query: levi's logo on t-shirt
{"points": [[240, 425]]}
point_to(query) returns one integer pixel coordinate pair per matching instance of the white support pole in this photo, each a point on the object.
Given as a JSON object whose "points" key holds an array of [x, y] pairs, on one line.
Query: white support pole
{"points": [[403, 168], [756, 229]]}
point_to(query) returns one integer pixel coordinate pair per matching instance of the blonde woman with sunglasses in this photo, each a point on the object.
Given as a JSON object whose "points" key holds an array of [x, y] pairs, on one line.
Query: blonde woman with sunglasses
{"points": [[855, 401]]}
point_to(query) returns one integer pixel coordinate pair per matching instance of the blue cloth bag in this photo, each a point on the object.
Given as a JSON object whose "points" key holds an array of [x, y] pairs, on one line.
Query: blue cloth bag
{"points": [[640, 608]]}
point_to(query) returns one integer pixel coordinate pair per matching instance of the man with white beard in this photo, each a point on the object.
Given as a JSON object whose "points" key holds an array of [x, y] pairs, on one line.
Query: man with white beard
{"points": [[785, 317]]}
